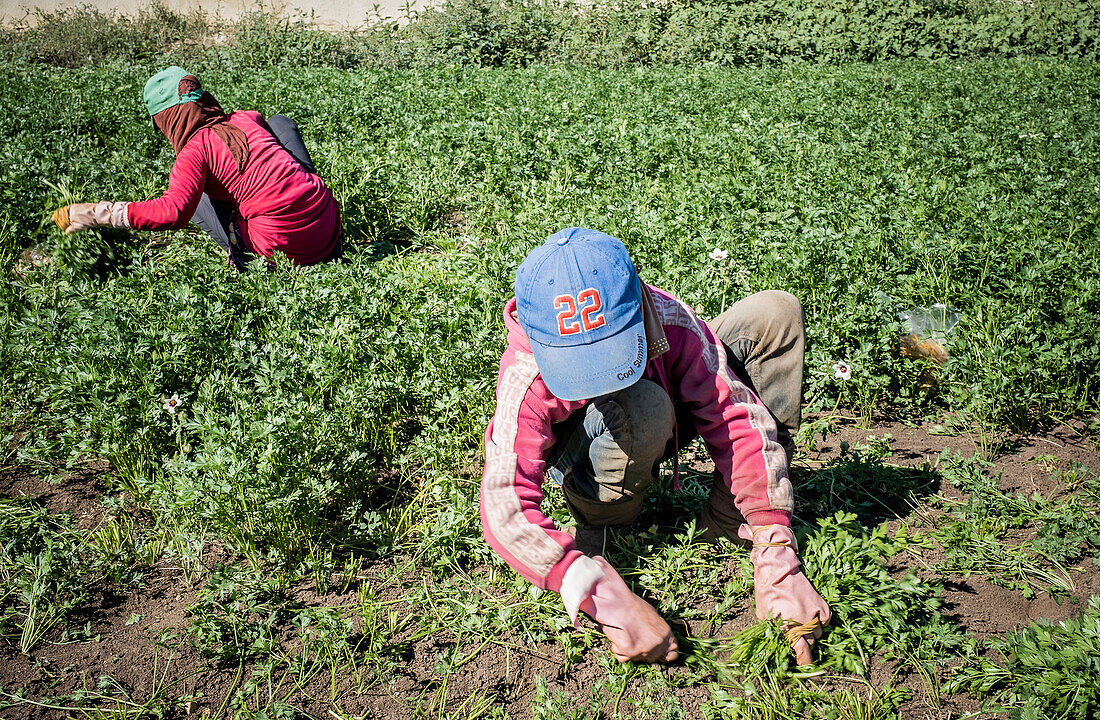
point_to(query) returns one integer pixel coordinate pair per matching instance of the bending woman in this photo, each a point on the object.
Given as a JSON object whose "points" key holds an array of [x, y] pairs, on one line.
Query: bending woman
{"points": [[249, 184]]}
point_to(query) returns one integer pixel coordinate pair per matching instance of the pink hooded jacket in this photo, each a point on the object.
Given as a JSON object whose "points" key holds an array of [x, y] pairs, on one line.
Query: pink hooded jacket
{"points": [[690, 364]]}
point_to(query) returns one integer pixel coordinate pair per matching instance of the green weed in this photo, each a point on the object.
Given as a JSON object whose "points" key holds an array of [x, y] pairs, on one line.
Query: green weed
{"points": [[1024, 543], [1044, 670], [235, 616], [771, 698], [873, 611], [858, 481], [76, 36], [40, 561], [602, 34], [818, 203]]}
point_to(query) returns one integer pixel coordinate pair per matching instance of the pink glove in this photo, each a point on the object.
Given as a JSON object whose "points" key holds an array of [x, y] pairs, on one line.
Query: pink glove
{"points": [[634, 628], [782, 590], [81, 216]]}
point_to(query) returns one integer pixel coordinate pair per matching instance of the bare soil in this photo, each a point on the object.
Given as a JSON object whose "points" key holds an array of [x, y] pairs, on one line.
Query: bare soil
{"points": [[123, 624]]}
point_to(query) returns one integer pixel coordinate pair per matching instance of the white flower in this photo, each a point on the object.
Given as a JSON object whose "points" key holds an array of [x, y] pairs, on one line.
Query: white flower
{"points": [[843, 370], [171, 403], [718, 254]]}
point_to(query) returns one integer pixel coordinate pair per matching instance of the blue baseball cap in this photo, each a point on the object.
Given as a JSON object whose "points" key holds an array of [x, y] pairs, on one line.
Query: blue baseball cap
{"points": [[580, 302]]}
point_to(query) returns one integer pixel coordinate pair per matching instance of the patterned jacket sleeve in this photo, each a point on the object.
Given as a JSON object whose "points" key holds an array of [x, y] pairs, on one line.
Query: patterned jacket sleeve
{"points": [[516, 446]]}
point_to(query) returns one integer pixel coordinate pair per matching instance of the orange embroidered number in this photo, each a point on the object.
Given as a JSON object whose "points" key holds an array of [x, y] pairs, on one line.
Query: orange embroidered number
{"points": [[567, 314], [590, 322], [591, 317]]}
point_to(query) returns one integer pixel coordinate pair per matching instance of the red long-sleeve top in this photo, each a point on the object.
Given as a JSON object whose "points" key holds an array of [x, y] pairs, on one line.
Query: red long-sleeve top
{"points": [[280, 205]]}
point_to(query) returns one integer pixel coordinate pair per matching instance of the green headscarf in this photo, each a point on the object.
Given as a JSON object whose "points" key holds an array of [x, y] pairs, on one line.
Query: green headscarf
{"points": [[162, 90], [180, 108]]}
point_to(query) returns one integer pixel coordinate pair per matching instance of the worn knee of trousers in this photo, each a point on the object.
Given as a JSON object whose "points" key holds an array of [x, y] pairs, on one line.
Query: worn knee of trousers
{"points": [[786, 316], [765, 334], [767, 322], [629, 431]]}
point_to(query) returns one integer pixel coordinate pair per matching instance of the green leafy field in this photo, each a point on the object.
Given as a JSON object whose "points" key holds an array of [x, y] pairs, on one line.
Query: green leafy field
{"points": [[331, 416], [865, 190]]}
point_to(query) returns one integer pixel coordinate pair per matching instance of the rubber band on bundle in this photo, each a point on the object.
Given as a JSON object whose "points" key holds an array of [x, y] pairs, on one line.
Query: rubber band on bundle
{"points": [[755, 544], [796, 632]]}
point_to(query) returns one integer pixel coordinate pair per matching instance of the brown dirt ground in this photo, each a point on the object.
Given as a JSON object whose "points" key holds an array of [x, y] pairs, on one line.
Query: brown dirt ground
{"points": [[124, 649]]}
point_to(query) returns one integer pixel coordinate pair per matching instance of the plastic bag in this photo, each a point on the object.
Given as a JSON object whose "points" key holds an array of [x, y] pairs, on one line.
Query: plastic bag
{"points": [[928, 329], [931, 322]]}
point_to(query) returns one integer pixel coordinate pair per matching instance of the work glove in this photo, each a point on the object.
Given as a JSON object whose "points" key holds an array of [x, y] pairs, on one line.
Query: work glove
{"points": [[782, 590], [634, 628], [81, 216]]}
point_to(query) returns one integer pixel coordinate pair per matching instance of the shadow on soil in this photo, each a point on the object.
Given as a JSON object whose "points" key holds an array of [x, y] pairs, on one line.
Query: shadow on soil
{"points": [[864, 486], [852, 482]]}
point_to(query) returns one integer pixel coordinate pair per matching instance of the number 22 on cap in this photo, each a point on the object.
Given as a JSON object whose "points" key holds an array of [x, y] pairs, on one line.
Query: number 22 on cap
{"points": [[589, 303]]}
